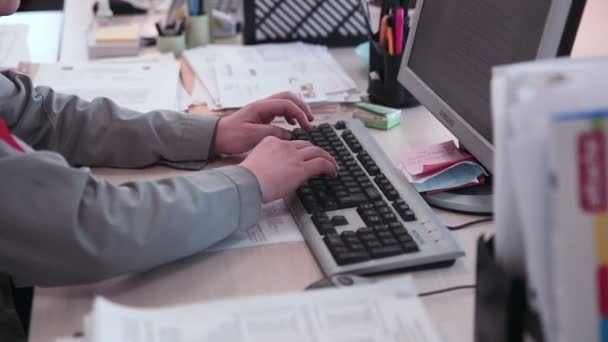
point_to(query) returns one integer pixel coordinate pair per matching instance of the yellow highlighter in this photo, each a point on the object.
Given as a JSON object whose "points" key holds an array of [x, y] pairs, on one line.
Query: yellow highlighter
{"points": [[390, 37]]}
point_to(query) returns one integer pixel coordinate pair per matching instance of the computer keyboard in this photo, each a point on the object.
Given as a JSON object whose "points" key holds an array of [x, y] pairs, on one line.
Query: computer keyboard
{"points": [[369, 219]]}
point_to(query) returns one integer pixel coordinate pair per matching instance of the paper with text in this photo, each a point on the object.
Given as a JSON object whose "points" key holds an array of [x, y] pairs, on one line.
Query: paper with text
{"points": [[275, 226], [233, 76], [384, 312], [139, 86]]}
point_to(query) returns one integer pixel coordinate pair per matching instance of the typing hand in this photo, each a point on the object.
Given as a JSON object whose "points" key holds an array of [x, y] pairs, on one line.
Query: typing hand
{"points": [[243, 130], [282, 166]]}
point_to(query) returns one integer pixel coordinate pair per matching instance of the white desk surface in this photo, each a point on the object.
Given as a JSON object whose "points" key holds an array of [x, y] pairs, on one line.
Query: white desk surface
{"points": [[287, 267], [44, 37]]}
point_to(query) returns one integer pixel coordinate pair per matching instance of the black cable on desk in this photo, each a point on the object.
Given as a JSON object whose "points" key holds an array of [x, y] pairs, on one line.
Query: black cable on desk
{"points": [[471, 223], [448, 289]]}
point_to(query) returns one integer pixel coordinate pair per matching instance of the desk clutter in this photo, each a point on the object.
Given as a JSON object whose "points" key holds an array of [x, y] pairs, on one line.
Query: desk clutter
{"points": [[387, 311], [231, 76], [441, 167], [551, 188]]}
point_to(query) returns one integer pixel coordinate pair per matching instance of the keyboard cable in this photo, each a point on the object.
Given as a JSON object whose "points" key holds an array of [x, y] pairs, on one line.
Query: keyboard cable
{"points": [[448, 289], [471, 223]]}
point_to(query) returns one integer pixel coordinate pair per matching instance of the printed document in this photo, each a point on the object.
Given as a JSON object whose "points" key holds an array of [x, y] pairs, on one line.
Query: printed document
{"points": [[275, 226], [233, 76], [382, 312], [138, 86]]}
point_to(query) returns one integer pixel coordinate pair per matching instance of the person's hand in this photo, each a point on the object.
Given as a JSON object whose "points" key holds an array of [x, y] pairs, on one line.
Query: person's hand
{"points": [[282, 166], [243, 130]]}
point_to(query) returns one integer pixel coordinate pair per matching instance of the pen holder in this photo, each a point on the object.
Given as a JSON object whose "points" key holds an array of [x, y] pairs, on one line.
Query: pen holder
{"points": [[384, 88], [198, 31], [175, 44]]}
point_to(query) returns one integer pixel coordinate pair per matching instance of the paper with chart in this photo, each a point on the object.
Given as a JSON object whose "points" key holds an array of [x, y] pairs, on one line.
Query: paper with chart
{"points": [[138, 86], [387, 311], [233, 76], [275, 226], [13, 45]]}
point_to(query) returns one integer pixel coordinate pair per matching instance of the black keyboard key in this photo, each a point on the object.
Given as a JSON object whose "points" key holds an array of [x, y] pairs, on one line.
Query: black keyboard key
{"points": [[357, 247], [323, 224], [372, 220], [407, 215], [359, 173], [375, 243], [310, 203], [388, 218], [351, 257], [366, 206], [385, 251], [380, 227], [384, 234], [410, 247], [340, 125], [366, 210], [372, 169], [341, 193], [366, 234], [333, 240], [339, 220], [329, 204], [404, 238], [372, 193], [391, 194], [352, 200], [351, 184], [355, 146], [384, 210], [379, 204]]}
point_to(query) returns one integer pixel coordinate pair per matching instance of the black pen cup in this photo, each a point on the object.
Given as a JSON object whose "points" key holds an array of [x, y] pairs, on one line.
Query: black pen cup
{"points": [[383, 87]]}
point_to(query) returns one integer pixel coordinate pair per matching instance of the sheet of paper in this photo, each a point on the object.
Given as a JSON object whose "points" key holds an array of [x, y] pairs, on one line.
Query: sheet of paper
{"points": [[456, 176], [138, 86], [236, 75], [13, 45], [275, 226], [387, 311], [433, 157]]}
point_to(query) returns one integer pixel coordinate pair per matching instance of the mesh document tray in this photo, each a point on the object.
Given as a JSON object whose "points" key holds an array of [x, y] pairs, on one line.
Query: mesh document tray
{"points": [[326, 22]]}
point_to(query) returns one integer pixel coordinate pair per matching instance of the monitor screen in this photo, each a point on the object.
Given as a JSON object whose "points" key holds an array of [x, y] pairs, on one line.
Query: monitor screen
{"points": [[458, 42]]}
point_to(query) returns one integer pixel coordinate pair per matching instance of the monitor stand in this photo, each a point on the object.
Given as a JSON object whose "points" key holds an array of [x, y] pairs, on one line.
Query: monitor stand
{"points": [[472, 200]]}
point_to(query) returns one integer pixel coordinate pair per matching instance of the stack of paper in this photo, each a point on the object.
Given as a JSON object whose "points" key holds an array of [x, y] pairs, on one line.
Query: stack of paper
{"points": [[383, 312], [138, 86], [114, 41], [13, 45], [551, 199], [441, 167], [233, 76]]}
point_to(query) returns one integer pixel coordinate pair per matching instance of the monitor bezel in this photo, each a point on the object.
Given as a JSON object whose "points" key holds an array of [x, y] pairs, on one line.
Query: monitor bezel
{"points": [[551, 45]]}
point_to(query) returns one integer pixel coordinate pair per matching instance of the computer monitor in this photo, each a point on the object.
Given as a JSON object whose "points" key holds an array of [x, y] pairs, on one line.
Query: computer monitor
{"points": [[451, 49]]}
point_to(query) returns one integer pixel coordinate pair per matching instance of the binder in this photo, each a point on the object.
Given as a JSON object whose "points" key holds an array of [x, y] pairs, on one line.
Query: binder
{"points": [[326, 22]]}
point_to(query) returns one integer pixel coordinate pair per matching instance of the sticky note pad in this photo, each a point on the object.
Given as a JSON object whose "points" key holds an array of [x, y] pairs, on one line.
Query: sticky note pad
{"points": [[117, 33], [384, 122]]}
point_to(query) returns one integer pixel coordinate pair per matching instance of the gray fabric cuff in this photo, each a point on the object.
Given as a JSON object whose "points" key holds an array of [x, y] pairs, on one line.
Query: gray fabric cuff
{"points": [[250, 194], [197, 144], [198, 136]]}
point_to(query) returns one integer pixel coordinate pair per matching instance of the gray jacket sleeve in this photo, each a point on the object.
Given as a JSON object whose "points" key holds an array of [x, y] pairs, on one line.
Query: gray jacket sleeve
{"points": [[59, 225], [99, 133]]}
